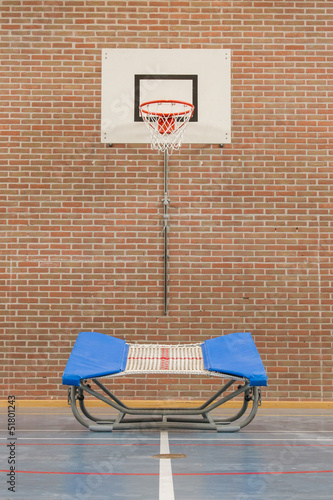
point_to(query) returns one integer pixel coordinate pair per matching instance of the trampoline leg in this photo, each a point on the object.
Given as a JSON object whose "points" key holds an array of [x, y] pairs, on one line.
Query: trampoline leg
{"points": [[256, 399], [72, 397]]}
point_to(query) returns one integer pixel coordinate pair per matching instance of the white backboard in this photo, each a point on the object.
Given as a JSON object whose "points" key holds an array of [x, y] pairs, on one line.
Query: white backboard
{"points": [[133, 76]]}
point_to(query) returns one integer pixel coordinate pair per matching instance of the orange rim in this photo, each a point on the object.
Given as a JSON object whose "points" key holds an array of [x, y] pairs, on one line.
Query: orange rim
{"points": [[170, 114]]}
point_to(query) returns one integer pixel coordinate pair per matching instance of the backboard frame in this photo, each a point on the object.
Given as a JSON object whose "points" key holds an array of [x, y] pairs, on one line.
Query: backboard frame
{"points": [[199, 75]]}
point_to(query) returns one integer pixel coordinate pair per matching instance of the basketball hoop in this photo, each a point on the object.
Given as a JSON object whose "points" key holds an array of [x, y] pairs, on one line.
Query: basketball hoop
{"points": [[166, 122]]}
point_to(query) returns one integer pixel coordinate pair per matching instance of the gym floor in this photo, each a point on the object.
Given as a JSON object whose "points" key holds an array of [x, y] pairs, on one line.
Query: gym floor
{"points": [[282, 454]]}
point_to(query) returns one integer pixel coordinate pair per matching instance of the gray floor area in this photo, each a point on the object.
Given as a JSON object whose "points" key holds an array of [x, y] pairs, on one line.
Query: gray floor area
{"points": [[282, 454]]}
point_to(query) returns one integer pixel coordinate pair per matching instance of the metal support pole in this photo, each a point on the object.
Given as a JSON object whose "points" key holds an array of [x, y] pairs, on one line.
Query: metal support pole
{"points": [[165, 230]]}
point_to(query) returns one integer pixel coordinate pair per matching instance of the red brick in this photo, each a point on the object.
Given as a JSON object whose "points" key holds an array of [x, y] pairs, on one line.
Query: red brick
{"points": [[250, 224]]}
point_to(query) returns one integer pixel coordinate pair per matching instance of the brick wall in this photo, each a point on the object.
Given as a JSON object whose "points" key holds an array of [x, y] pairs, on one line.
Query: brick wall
{"points": [[250, 224]]}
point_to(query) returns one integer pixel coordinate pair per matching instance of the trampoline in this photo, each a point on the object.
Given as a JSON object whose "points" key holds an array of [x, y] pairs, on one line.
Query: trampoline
{"points": [[233, 357]]}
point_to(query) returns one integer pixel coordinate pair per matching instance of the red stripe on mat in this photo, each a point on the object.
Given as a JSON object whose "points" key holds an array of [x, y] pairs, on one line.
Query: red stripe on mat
{"points": [[165, 358], [176, 474], [157, 357]]}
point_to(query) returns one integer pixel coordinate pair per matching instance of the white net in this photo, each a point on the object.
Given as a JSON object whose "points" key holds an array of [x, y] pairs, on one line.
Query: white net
{"points": [[166, 122]]}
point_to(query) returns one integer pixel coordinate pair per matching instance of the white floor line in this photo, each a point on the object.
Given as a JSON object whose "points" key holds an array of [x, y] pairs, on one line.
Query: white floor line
{"points": [[166, 491], [291, 431], [178, 439]]}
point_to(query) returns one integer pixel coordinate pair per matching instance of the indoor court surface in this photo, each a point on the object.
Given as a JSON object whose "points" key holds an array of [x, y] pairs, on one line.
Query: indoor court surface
{"points": [[282, 454]]}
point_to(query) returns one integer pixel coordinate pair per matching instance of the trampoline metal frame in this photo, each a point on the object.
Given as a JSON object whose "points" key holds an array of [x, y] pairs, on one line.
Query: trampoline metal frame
{"points": [[165, 417]]}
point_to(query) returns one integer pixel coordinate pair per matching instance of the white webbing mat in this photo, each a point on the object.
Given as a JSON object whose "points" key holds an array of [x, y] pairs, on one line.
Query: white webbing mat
{"points": [[158, 358]]}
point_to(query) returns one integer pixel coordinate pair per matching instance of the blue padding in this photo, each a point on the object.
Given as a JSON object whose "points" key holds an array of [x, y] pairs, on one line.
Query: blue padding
{"points": [[235, 354], [95, 355]]}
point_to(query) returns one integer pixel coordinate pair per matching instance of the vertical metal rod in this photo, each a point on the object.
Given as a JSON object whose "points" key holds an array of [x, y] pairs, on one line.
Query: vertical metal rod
{"points": [[165, 229]]}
